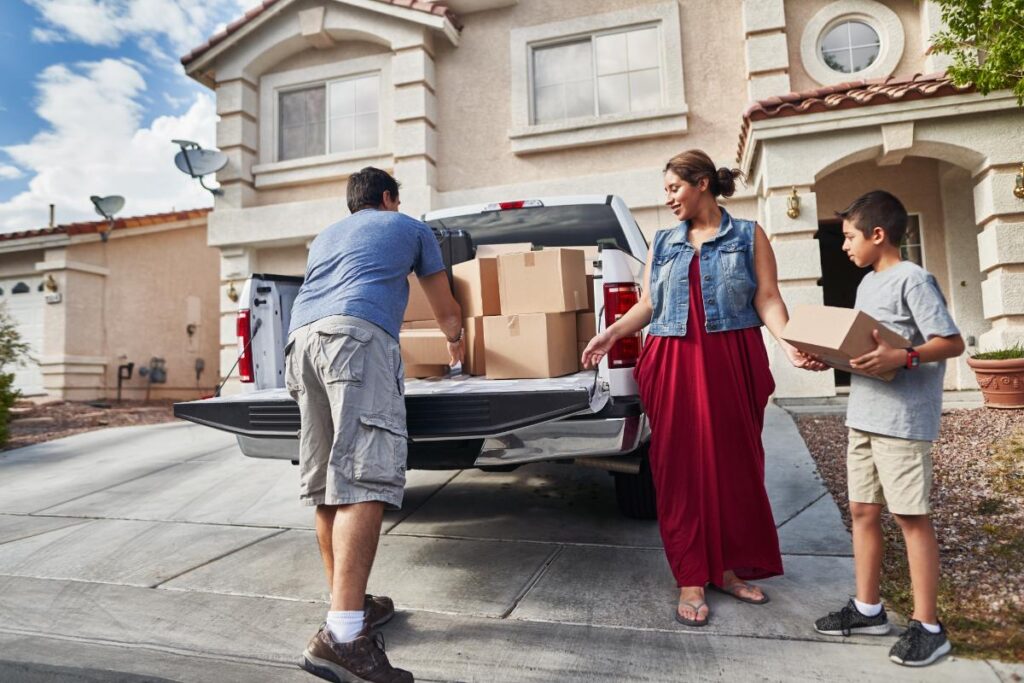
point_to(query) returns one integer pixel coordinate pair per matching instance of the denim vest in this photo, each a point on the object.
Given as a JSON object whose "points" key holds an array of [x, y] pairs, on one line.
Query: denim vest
{"points": [[727, 276]]}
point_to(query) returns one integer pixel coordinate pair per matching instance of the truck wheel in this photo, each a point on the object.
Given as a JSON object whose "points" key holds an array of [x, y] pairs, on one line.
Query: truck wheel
{"points": [[635, 492]]}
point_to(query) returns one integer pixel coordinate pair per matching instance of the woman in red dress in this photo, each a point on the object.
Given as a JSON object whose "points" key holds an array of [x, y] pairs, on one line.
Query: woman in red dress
{"points": [[711, 282]]}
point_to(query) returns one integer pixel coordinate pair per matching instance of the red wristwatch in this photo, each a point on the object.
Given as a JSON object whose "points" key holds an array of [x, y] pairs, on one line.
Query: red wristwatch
{"points": [[913, 358]]}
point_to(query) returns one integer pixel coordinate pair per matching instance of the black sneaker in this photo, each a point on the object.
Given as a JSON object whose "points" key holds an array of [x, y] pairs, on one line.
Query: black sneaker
{"points": [[849, 621], [918, 646]]}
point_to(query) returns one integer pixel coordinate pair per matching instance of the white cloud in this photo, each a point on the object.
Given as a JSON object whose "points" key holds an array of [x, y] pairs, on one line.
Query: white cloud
{"points": [[94, 143], [8, 172], [184, 24]]}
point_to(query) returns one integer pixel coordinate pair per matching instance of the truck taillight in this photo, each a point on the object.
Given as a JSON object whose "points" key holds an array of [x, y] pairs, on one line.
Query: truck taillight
{"points": [[618, 299], [244, 331]]}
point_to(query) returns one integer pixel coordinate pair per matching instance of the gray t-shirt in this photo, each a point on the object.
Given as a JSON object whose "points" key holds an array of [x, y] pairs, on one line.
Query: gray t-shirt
{"points": [[360, 267], [906, 299]]}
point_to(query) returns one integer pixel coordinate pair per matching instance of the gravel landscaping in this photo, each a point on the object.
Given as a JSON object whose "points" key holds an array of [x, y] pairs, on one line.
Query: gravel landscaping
{"points": [[978, 513], [33, 423]]}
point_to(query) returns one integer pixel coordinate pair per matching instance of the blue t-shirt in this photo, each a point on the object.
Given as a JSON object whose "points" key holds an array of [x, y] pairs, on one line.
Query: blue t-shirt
{"points": [[360, 267]]}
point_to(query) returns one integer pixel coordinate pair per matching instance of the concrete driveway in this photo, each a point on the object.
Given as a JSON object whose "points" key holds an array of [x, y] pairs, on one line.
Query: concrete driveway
{"points": [[161, 553]]}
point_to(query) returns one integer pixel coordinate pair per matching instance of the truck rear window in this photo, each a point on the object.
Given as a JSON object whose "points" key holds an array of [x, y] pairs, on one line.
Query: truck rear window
{"points": [[545, 226]]}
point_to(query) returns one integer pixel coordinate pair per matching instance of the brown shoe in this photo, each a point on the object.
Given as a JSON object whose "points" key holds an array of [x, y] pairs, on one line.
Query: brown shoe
{"points": [[378, 610], [361, 661]]}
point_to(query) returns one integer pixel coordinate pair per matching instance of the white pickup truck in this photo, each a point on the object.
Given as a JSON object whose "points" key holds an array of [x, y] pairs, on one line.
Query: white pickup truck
{"points": [[591, 418]]}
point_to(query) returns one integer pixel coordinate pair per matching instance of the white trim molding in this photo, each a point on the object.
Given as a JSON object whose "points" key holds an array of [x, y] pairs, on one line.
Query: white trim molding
{"points": [[883, 20], [272, 173], [669, 119]]}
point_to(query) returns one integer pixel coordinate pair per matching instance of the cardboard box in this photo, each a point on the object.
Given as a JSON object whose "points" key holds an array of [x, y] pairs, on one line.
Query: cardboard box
{"points": [[495, 250], [548, 281], [475, 285], [475, 360], [580, 348], [586, 327], [424, 347], [530, 345], [418, 307], [420, 325], [424, 371], [838, 335], [591, 254]]}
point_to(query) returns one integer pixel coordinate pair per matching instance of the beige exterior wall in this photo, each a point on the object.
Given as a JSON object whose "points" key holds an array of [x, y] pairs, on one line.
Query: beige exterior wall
{"points": [[128, 300]]}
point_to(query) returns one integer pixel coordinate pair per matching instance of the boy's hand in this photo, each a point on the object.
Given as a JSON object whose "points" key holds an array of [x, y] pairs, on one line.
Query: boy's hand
{"points": [[883, 359]]}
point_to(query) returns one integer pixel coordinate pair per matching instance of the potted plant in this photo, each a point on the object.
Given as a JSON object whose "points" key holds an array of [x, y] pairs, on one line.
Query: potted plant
{"points": [[1000, 375]]}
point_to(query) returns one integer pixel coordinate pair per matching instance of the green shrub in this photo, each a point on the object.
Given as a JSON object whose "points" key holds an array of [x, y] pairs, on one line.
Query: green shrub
{"points": [[1013, 352], [13, 351]]}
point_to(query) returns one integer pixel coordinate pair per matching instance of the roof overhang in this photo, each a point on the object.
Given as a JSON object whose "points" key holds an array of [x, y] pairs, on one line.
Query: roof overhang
{"points": [[199, 61]]}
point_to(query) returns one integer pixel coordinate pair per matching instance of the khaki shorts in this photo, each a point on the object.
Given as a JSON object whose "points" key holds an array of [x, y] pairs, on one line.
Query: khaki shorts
{"points": [[347, 376], [886, 470]]}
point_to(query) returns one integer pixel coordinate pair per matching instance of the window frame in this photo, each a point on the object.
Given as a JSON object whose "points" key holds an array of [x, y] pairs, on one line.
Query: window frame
{"points": [[670, 118], [592, 39], [270, 172], [885, 23], [920, 239], [327, 114]]}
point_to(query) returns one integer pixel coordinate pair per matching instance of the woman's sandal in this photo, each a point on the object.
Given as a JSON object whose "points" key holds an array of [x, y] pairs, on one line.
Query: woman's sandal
{"points": [[696, 608], [731, 590]]}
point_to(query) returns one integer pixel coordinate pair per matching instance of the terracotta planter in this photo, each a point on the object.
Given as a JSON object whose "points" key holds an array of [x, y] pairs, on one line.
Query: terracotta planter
{"points": [[1001, 381]]}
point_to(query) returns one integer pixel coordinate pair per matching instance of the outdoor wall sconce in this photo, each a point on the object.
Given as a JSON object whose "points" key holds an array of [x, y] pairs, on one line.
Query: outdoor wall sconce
{"points": [[1018, 189], [793, 205], [232, 292], [49, 284]]}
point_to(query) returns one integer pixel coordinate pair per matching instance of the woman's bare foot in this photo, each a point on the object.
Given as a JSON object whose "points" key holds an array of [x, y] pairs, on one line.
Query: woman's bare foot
{"points": [[691, 604], [740, 588]]}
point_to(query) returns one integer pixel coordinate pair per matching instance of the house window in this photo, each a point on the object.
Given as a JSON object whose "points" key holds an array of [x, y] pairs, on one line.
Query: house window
{"points": [[338, 116], [910, 246], [850, 46], [603, 74]]}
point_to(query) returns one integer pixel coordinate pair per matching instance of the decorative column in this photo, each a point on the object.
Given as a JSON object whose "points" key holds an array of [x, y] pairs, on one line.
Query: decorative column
{"points": [[238, 138], [1000, 216], [764, 25], [799, 262], [415, 142], [236, 265], [73, 361]]}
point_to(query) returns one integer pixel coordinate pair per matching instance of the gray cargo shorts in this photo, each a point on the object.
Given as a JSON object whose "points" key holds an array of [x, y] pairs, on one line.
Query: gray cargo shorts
{"points": [[347, 376]]}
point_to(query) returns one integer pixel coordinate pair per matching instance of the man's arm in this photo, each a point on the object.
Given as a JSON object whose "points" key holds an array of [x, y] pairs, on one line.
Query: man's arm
{"points": [[447, 311]]}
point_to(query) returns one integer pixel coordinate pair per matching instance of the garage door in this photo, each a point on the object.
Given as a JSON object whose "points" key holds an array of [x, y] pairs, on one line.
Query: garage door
{"points": [[25, 303]]}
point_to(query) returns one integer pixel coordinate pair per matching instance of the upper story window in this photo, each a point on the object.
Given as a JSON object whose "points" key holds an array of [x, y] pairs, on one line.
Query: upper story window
{"points": [[338, 116], [602, 74], [850, 46]]}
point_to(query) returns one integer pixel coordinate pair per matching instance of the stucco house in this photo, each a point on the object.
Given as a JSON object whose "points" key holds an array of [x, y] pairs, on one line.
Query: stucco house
{"points": [[88, 305], [472, 101]]}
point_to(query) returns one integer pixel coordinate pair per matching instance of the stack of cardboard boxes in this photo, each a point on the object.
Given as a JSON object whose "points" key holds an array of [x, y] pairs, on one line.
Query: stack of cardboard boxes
{"points": [[527, 314]]}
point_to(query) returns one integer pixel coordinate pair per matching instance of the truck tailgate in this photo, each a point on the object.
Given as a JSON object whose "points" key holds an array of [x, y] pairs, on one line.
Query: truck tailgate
{"points": [[450, 408]]}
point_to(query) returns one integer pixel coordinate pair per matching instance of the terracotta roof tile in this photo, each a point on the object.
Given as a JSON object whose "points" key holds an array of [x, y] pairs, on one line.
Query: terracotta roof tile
{"points": [[435, 8], [85, 228], [848, 96]]}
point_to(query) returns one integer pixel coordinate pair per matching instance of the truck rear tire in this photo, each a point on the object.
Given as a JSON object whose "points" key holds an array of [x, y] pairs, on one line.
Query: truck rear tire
{"points": [[634, 493]]}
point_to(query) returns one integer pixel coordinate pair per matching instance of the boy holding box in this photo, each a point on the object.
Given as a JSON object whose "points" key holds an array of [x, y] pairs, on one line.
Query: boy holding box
{"points": [[892, 426]]}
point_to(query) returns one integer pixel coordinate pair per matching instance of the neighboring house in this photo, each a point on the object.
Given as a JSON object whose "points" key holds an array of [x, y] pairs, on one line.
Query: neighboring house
{"points": [[483, 100], [86, 306]]}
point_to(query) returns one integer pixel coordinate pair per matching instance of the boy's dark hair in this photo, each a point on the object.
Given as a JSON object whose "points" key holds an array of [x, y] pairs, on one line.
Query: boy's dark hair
{"points": [[366, 188], [878, 209]]}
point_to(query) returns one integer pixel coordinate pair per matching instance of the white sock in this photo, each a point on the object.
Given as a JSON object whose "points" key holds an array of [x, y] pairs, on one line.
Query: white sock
{"points": [[344, 626], [931, 628], [866, 609]]}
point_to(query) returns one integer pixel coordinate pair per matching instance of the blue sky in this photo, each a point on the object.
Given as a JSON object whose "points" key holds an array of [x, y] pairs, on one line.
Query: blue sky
{"points": [[91, 93]]}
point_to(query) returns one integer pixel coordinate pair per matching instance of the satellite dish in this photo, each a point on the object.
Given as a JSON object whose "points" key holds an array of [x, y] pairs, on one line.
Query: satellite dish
{"points": [[198, 162], [107, 207]]}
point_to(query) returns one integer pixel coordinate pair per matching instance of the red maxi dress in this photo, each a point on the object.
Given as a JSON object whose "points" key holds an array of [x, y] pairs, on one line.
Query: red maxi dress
{"points": [[705, 396]]}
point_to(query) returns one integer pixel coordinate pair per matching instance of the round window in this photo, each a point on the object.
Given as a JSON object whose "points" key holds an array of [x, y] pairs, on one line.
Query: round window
{"points": [[850, 46]]}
